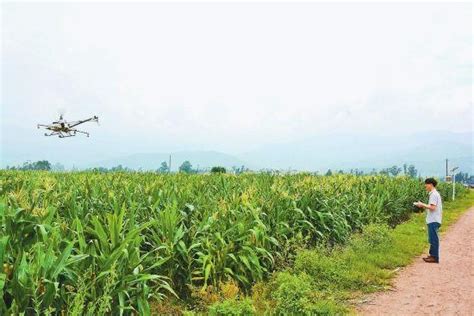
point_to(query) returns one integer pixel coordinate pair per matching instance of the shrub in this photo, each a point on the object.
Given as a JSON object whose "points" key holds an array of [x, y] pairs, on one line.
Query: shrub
{"points": [[291, 293], [261, 297], [218, 170], [318, 263], [374, 235], [233, 307]]}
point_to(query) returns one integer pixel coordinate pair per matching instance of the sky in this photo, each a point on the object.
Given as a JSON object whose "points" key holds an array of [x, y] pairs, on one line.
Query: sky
{"points": [[228, 77]]}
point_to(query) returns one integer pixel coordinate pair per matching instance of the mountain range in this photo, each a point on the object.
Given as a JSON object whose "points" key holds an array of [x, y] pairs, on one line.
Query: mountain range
{"points": [[427, 151]]}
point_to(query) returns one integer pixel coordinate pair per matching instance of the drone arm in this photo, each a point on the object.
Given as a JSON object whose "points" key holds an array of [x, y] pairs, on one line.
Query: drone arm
{"points": [[94, 119], [75, 123]]}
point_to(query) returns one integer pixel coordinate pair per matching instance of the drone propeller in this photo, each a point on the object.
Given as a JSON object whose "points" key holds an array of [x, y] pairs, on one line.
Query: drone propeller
{"points": [[61, 112]]}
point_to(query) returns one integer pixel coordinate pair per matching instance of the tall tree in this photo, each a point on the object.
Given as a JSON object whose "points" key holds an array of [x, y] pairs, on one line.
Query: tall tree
{"points": [[412, 172], [164, 168], [394, 170], [38, 165], [186, 167], [218, 169]]}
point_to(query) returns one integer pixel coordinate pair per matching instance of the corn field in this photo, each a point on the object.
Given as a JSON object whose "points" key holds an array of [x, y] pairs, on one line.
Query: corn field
{"points": [[90, 243]]}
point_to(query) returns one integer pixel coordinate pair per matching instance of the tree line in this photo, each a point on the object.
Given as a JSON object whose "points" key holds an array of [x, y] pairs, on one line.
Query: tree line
{"points": [[408, 170], [37, 165], [187, 167]]}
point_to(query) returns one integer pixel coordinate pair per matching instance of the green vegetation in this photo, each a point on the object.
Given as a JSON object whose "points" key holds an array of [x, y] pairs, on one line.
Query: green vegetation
{"points": [[37, 165], [186, 167], [218, 170], [325, 280], [232, 307], [164, 168], [94, 243]]}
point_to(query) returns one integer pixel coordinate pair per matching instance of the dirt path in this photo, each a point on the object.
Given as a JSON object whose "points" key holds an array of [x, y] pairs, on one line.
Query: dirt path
{"points": [[446, 288]]}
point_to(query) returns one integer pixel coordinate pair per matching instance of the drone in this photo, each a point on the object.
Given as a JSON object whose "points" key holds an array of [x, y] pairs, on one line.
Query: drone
{"points": [[63, 129]]}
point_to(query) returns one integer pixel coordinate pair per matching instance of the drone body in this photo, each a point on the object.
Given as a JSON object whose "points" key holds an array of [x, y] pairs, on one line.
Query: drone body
{"points": [[62, 128]]}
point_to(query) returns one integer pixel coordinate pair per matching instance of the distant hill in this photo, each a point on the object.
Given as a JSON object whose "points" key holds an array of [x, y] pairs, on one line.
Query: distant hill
{"points": [[152, 161], [426, 151]]}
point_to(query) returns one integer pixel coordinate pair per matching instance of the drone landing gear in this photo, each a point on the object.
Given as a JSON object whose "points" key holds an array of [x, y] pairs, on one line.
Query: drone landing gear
{"points": [[77, 131], [52, 134]]}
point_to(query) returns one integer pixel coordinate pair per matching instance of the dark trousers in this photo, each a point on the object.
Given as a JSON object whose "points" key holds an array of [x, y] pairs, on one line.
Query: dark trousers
{"points": [[433, 239]]}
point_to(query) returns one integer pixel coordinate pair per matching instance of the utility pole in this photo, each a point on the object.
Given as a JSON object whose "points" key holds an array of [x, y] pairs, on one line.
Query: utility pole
{"points": [[447, 168], [169, 165]]}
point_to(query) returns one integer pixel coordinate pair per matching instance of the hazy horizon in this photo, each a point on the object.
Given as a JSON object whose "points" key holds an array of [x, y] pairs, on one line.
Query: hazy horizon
{"points": [[233, 78]]}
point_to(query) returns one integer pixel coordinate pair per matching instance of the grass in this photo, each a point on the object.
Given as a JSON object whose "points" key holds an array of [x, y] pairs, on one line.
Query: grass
{"points": [[330, 281]]}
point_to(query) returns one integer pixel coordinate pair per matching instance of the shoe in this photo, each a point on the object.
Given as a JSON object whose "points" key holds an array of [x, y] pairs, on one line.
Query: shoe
{"points": [[427, 257], [431, 259]]}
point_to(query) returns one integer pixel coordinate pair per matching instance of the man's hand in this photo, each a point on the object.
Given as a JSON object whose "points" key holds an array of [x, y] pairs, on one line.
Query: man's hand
{"points": [[430, 207], [419, 204]]}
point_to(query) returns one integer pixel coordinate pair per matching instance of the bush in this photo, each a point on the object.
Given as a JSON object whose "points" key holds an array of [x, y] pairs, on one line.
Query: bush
{"points": [[291, 293], [218, 170], [261, 297], [232, 307], [318, 263]]}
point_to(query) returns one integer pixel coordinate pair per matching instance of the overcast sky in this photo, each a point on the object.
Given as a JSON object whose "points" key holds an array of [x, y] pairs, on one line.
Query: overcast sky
{"points": [[230, 77]]}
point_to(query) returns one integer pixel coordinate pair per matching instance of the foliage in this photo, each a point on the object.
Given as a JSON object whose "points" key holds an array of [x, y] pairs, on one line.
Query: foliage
{"points": [[464, 177], [358, 172], [164, 168], [366, 264], [218, 170], [186, 167], [119, 168], [96, 243], [37, 165], [233, 307], [394, 171], [410, 170], [239, 170], [291, 293]]}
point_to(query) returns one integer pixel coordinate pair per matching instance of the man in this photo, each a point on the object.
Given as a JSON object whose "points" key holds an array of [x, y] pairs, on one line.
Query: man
{"points": [[434, 210]]}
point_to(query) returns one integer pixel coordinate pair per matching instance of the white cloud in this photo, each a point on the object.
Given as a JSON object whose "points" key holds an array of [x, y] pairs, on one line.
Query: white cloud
{"points": [[232, 76]]}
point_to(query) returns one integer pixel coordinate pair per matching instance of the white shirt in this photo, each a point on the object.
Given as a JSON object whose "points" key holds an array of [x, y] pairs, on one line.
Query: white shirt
{"points": [[437, 214]]}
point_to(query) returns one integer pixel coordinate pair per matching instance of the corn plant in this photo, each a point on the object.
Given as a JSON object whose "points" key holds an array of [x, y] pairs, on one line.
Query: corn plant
{"points": [[91, 243]]}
